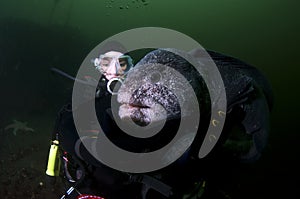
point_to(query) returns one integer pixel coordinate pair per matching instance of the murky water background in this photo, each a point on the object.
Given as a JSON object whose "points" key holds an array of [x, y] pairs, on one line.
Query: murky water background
{"points": [[37, 35]]}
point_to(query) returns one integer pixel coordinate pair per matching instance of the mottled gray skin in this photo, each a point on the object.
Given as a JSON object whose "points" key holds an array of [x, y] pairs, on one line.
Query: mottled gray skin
{"points": [[157, 86], [237, 76], [147, 94]]}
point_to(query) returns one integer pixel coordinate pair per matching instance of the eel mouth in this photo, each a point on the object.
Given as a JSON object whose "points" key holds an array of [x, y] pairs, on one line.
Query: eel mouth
{"points": [[139, 106], [138, 113], [150, 103], [133, 106]]}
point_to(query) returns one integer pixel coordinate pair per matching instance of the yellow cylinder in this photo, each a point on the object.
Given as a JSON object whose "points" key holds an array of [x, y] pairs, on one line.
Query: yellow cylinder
{"points": [[53, 160]]}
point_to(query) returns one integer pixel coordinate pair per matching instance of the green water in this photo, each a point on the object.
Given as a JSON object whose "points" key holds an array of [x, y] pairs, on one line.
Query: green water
{"points": [[37, 35]]}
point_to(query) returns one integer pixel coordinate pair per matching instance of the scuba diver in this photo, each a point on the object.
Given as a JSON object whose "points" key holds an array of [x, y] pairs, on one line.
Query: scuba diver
{"points": [[65, 150]]}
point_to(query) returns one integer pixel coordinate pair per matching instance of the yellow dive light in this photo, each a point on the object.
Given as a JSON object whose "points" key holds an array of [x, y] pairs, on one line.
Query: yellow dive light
{"points": [[53, 165]]}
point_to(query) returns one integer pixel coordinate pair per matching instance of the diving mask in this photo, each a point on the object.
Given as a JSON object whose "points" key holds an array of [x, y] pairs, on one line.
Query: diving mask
{"points": [[113, 64]]}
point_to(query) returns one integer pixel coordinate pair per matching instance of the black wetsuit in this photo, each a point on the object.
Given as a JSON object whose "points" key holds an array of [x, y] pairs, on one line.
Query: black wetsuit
{"points": [[101, 179]]}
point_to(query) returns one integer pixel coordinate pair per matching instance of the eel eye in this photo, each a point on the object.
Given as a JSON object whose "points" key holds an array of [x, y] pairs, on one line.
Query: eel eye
{"points": [[155, 77]]}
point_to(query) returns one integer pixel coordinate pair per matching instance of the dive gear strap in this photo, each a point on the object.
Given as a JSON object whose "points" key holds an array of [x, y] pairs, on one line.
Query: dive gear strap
{"points": [[151, 183]]}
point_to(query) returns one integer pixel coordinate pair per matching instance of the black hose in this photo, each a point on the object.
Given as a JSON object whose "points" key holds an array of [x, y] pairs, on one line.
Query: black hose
{"points": [[71, 77]]}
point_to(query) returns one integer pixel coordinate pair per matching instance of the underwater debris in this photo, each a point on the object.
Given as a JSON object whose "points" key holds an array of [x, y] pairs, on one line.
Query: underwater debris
{"points": [[18, 126], [138, 3]]}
